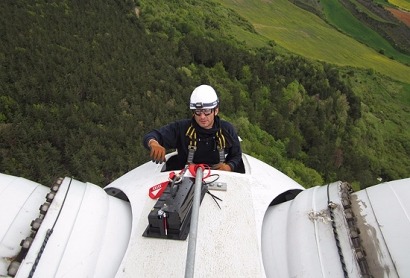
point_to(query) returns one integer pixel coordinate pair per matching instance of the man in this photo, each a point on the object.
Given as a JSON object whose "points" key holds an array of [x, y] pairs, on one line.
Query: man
{"points": [[203, 139]]}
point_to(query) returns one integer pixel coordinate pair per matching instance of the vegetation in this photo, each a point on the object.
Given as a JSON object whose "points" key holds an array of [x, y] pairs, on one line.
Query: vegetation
{"points": [[403, 4], [306, 34], [367, 22], [83, 81], [338, 15]]}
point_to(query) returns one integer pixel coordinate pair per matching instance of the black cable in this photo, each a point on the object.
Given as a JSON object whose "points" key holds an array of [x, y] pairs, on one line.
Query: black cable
{"points": [[215, 198], [48, 234], [209, 182], [330, 206]]}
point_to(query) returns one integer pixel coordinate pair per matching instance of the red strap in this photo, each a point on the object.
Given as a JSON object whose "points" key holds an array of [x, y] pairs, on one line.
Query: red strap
{"points": [[159, 188], [193, 167], [171, 175]]}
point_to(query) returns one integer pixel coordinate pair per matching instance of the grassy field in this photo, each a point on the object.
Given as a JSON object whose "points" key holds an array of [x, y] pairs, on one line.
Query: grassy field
{"points": [[402, 4], [306, 34], [343, 19]]}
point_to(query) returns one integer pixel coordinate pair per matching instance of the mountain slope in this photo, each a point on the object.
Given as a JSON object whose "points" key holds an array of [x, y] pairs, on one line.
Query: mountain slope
{"points": [[304, 33]]}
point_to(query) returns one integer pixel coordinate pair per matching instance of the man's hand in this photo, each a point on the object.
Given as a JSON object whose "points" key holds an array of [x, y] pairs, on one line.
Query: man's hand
{"points": [[157, 151], [222, 166]]}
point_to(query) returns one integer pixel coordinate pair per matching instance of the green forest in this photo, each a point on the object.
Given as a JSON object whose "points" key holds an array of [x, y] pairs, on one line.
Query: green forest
{"points": [[83, 81]]}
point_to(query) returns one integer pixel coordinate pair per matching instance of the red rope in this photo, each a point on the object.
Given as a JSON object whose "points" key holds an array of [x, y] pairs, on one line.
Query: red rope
{"points": [[193, 167]]}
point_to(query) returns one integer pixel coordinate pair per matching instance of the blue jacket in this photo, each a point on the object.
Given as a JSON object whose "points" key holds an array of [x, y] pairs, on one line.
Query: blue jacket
{"points": [[173, 136]]}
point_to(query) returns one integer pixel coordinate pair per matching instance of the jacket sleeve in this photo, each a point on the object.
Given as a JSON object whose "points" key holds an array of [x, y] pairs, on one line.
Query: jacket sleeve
{"points": [[153, 134], [234, 152], [167, 135]]}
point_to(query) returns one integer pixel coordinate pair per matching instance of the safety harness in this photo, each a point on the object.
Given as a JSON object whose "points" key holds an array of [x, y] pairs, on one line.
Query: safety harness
{"points": [[220, 141]]}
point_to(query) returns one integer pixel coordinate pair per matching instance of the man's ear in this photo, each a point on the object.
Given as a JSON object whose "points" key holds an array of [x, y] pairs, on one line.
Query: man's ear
{"points": [[216, 111]]}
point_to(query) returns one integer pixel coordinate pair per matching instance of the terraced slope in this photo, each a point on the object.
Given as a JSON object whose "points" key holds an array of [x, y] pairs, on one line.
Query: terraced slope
{"points": [[303, 33]]}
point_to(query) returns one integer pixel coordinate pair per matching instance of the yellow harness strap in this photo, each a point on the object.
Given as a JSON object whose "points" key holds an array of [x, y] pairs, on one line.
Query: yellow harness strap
{"points": [[192, 143], [220, 141]]}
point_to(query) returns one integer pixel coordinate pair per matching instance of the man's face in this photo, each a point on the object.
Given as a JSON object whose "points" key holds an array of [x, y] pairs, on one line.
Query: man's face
{"points": [[205, 117]]}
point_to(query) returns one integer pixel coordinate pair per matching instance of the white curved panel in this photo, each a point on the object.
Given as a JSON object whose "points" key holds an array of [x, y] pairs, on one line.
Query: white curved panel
{"points": [[88, 229], [20, 200], [298, 240]]}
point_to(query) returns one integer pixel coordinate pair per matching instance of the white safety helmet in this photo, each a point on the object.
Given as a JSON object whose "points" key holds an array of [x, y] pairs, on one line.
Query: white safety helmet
{"points": [[203, 97]]}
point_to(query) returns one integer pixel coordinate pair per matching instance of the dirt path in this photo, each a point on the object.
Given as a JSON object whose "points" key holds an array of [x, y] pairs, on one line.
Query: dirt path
{"points": [[403, 16]]}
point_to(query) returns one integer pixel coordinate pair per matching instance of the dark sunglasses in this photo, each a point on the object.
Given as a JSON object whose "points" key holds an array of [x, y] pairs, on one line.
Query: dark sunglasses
{"points": [[206, 112]]}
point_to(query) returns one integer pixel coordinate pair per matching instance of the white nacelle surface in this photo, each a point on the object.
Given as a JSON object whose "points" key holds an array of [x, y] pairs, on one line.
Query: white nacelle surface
{"points": [[229, 239], [95, 234]]}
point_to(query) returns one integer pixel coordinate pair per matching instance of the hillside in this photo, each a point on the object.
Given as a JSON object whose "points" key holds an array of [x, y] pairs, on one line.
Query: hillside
{"points": [[306, 34], [376, 24], [82, 82]]}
